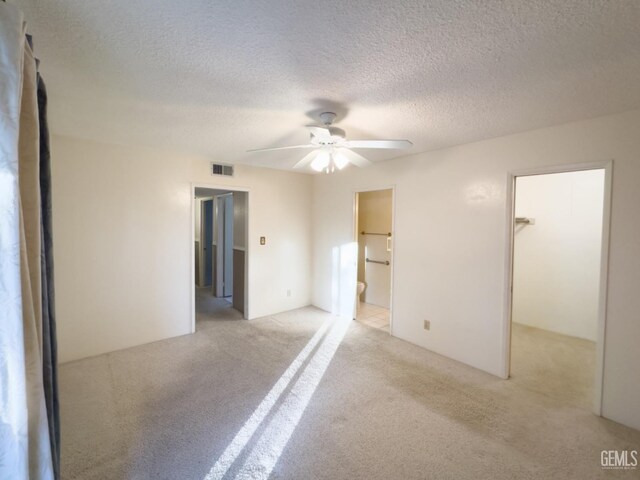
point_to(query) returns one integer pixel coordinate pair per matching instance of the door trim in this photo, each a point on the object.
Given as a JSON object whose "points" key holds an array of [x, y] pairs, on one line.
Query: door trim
{"points": [[607, 166], [219, 270], [192, 234]]}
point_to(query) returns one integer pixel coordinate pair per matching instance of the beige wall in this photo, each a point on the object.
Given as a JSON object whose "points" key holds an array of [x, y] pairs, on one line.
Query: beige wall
{"points": [[122, 230], [374, 211], [451, 244]]}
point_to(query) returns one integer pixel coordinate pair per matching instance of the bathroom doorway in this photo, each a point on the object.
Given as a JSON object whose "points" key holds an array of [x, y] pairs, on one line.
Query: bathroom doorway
{"points": [[559, 252], [374, 231], [220, 224]]}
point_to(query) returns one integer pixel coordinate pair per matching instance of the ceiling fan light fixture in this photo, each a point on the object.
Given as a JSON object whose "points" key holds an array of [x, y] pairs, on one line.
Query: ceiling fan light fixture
{"points": [[321, 161], [340, 160]]}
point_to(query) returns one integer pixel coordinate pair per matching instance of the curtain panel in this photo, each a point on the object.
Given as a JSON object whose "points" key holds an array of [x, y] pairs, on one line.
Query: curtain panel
{"points": [[28, 446]]}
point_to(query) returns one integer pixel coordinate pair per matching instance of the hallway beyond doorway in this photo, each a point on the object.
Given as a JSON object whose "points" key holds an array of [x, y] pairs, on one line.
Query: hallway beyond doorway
{"points": [[220, 253], [211, 308]]}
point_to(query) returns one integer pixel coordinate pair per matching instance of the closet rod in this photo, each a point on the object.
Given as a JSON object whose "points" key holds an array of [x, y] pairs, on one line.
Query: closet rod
{"points": [[371, 233]]}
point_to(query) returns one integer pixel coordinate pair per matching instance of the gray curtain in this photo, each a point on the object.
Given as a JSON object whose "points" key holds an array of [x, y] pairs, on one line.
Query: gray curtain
{"points": [[49, 346]]}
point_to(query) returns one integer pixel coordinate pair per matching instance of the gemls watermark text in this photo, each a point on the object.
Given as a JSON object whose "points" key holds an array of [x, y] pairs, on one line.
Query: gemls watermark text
{"points": [[619, 459]]}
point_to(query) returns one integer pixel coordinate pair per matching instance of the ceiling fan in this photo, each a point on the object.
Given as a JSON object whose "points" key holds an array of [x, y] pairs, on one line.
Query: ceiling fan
{"points": [[332, 150]]}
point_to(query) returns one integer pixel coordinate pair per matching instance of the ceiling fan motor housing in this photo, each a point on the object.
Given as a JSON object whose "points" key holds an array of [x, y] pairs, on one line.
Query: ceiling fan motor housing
{"points": [[336, 137], [327, 118]]}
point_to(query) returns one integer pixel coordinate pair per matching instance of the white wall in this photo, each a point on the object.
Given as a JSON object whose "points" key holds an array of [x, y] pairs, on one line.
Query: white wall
{"points": [[122, 235], [450, 243], [556, 274]]}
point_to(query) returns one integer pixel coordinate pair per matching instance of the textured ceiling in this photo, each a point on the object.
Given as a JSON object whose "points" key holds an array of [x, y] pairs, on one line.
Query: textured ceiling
{"points": [[218, 78]]}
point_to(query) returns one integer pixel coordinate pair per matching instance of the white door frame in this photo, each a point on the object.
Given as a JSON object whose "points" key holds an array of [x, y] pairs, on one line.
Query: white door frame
{"points": [[192, 233], [354, 228], [607, 166]]}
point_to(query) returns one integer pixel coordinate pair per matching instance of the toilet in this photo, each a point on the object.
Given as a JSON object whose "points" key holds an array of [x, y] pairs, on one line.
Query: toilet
{"points": [[361, 288]]}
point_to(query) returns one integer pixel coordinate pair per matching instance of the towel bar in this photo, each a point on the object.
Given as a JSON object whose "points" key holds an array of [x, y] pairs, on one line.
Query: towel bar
{"points": [[386, 262]]}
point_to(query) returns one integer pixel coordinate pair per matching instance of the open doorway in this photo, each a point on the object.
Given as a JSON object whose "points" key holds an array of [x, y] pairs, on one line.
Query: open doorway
{"points": [[558, 284], [220, 254], [374, 224]]}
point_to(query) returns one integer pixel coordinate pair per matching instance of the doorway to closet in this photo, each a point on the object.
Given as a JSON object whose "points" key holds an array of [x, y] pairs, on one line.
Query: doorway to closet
{"points": [[220, 256], [558, 284]]}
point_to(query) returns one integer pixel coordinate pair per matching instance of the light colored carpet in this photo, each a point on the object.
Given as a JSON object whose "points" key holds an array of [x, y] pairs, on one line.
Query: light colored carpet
{"points": [[555, 366], [385, 409], [210, 308]]}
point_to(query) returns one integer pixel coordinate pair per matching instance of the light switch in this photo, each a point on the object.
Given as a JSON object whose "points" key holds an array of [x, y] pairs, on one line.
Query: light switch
{"points": [[263, 240]]}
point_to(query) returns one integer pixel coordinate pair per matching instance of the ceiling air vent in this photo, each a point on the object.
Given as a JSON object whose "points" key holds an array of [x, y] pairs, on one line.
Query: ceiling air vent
{"points": [[220, 169]]}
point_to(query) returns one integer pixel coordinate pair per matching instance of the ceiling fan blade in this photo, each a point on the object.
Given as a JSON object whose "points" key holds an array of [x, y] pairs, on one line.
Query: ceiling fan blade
{"points": [[307, 159], [355, 158], [282, 148], [319, 132], [395, 144]]}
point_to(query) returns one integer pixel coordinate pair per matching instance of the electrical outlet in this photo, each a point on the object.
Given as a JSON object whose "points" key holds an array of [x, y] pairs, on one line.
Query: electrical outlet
{"points": [[427, 325], [288, 293]]}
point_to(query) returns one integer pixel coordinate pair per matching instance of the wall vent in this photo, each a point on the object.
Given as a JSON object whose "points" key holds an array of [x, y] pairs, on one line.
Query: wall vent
{"points": [[220, 169]]}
